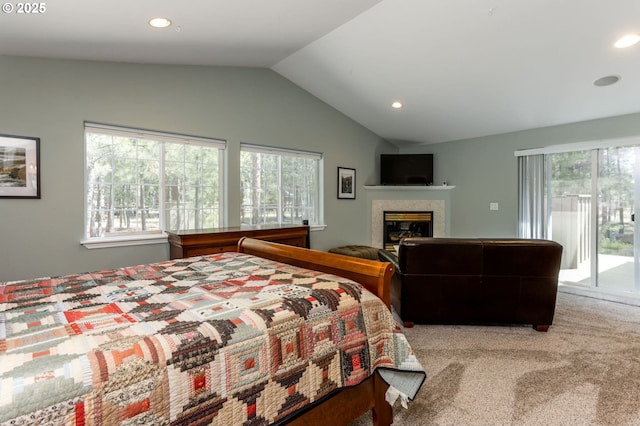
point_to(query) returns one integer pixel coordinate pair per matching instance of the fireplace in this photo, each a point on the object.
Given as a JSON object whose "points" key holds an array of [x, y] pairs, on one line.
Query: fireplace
{"points": [[379, 206], [400, 224]]}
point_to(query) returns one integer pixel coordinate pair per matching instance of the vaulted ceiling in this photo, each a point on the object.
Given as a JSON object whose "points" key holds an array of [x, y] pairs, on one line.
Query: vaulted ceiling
{"points": [[461, 68]]}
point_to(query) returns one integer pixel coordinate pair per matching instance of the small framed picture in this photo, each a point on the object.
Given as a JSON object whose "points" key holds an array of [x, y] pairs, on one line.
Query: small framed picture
{"points": [[346, 183], [19, 167]]}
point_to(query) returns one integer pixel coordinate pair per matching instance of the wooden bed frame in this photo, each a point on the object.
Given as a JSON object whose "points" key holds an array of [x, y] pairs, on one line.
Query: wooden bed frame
{"points": [[350, 403]]}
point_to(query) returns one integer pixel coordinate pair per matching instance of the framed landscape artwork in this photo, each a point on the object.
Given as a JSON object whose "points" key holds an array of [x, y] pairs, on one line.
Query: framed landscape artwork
{"points": [[19, 167], [346, 183]]}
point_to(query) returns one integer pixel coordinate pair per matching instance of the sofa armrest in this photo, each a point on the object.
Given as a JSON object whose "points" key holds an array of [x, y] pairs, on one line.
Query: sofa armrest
{"points": [[387, 256]]}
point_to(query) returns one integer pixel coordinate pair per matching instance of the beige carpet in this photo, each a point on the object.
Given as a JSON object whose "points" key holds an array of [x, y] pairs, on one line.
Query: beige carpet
{"points": [[584, 371]]}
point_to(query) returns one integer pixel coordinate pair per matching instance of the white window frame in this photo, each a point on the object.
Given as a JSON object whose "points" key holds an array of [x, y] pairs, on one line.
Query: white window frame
{"points": [[156, 236], [260, 149]]}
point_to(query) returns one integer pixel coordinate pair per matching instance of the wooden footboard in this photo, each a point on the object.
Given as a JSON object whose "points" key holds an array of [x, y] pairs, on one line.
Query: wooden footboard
{"points": [[350, 403], [373, 275]]}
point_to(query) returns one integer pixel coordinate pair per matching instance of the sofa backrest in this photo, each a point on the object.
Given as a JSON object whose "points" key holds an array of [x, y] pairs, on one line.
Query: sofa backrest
{"points": [[440, 256], [479, 256], [522, 257]]}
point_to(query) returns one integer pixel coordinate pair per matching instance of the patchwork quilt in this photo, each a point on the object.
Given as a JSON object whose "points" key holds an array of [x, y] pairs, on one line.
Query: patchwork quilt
{"points": [[225, 339]]}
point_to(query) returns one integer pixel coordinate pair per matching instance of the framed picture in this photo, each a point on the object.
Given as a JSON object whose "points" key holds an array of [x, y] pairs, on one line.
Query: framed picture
{"points": [[19, 167], [346, 183]]}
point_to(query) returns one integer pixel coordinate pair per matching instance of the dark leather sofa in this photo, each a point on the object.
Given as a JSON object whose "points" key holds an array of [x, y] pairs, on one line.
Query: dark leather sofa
{"points": [[475, 281]]}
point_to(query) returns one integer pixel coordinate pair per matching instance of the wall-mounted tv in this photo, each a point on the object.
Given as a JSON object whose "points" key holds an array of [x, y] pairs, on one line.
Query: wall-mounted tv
{"points": [[406, 169]]}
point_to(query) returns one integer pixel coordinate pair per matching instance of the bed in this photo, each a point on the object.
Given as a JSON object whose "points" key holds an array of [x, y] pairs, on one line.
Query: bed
{"points": [[270, 334]]}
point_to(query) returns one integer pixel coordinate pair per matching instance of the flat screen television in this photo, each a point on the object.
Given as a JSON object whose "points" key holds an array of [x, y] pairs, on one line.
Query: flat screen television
{"points": [[406, 169]]}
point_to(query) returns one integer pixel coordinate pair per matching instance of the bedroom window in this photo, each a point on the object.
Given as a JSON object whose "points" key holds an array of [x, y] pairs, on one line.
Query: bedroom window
{"points": [[280, 186], [139, 183]]}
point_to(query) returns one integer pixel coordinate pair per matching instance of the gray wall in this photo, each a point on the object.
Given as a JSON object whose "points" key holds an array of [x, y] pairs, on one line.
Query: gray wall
{"points": [[51, 99], [484, 170]]}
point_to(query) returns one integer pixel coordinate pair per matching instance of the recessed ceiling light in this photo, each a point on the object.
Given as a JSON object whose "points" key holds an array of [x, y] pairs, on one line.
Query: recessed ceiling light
{"points": [[627, 41], [160, 22], [606, 81], [396, 105]]}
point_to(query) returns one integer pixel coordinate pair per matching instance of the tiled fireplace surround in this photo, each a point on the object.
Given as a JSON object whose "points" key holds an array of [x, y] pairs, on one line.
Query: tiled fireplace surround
{"points": [[378, 207]]}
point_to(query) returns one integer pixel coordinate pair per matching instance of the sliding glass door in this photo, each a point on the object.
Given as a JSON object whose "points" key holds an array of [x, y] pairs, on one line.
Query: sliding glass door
{"points": [[569, 198], [592, 197], [616, 188]]}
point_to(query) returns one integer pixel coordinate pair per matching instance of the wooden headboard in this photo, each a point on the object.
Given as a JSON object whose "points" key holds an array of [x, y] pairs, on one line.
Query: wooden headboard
{"points": [[373, 275]]}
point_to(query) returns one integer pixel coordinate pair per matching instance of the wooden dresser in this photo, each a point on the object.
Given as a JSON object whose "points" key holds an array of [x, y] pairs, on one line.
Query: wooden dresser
{"points": [[190, 242]]}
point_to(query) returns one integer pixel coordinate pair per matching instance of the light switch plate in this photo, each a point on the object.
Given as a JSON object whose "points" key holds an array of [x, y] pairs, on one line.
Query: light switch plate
{"points": [[493, 206]]}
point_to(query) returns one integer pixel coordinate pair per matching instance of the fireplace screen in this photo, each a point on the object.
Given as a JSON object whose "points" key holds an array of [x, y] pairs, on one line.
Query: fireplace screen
{"points": [[398, 225]]}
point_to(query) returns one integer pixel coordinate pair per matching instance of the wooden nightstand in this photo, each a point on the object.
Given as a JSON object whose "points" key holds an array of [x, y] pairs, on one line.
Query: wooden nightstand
{"points": [[196, 242]]}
